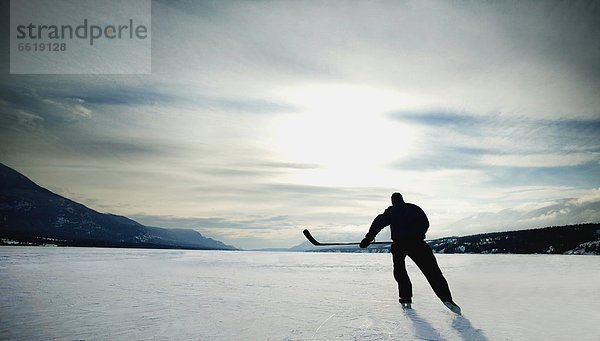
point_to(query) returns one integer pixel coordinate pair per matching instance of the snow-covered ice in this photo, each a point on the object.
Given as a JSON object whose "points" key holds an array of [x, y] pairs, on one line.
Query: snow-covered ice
{"points": [[124, 294]]}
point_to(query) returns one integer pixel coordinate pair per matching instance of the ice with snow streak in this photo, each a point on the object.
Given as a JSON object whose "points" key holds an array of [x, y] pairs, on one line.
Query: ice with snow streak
{"points": [[124, 294]]}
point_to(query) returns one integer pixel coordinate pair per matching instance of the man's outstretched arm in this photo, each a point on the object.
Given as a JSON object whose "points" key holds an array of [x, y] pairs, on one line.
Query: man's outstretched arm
{"points": [[378, 224]]}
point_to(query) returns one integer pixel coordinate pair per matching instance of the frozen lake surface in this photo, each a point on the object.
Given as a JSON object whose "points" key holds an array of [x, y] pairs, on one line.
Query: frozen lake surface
{"points": [[124, 294]]}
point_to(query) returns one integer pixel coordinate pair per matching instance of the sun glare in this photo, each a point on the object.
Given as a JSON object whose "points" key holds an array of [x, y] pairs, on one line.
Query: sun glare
{"points": [[344, 130]]}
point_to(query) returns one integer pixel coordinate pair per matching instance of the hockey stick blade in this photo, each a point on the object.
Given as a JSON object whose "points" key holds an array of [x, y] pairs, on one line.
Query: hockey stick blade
{"points": [[317, 243], [310, 238]]}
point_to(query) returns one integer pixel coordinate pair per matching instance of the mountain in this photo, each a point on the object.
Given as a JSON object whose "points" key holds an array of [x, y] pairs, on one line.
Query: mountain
{"points": [[33, 215], [571, 239], [581, 239], [308, 247]]}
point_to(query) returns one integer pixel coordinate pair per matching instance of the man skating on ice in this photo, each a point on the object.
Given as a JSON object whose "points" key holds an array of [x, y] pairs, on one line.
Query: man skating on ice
{"points": [[408, 224]]}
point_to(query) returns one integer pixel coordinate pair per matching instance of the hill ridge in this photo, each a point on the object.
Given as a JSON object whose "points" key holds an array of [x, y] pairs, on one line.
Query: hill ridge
{"points": [[33, 215]]}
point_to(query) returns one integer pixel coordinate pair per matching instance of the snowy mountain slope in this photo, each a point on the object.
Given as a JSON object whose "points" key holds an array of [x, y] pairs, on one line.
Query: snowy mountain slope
{"points": [[32, 214], [551, 240], [588, 248]]}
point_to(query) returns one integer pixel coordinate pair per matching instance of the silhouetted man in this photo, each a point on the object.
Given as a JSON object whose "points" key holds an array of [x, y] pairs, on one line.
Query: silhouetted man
{"points": [[409, 223]]}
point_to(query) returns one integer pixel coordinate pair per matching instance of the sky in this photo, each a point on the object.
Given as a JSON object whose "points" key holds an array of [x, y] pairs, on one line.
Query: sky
{"points": [[262, 118]]}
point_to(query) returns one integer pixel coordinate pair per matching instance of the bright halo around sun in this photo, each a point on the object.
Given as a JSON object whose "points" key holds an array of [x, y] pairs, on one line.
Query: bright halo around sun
{"points": [[346, 132]]}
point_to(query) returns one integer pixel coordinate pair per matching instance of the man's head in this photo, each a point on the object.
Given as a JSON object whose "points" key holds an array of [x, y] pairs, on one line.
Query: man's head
{"points": [[397, 199]]}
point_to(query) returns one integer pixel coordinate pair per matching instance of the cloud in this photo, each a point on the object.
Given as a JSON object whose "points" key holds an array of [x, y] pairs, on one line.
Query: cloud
{"points": [[253, 223], [290, 165], [128, 149], [568, 211], [116, 95], [504, 141], [541, 160], [124, 121], [76, 98], [521, 58], [444, 157], [445, 119], [49, 110], [592, 197]]}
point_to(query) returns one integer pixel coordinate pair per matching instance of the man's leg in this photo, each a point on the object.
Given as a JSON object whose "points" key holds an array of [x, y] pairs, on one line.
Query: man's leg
{"points": [[422, 255], [401, 276]]}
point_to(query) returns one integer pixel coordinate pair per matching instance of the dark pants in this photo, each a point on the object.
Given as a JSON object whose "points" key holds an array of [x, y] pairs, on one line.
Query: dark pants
{"points": [[422, 255]]}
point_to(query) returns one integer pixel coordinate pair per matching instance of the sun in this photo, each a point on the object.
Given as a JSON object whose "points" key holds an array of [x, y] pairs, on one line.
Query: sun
{"points": [[345, 130]]}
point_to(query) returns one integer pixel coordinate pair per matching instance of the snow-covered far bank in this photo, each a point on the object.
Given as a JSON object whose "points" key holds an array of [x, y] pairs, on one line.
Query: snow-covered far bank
{"points": [[124, 294]]}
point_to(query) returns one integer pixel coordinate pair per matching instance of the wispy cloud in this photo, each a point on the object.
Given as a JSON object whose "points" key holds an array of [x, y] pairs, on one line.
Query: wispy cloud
{"points": [[28, 102], [505, 141], [585, 209], [541, 160]]}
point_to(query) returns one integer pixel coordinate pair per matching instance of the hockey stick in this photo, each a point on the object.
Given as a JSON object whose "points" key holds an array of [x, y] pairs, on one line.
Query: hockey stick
{"points": [[317, 243]]}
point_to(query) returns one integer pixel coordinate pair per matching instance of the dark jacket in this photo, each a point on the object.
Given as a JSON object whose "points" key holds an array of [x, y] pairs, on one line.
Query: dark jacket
{"points": [[407, 221]]}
